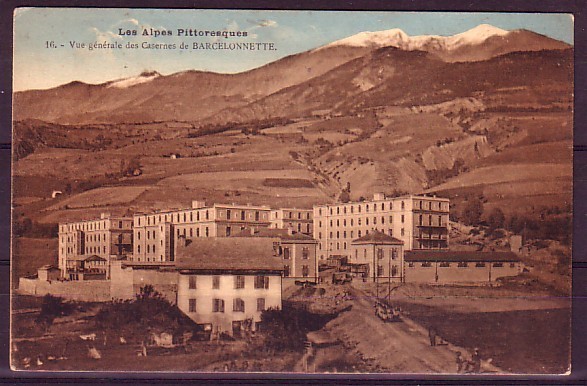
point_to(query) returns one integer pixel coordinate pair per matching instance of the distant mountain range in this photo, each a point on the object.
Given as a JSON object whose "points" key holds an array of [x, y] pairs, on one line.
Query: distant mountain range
{"points": [[360, 70]]}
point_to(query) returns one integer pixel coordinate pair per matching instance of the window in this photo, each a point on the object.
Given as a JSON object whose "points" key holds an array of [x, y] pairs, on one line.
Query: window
{"points": [[239, 282], [242, 215], [512, 265], [286, 253], [138, 235], [305, 252], [403, 218], [228, 214], [192, 282], [192, 305], [480, 265], [394, 270], [227, 231], [498, 265], [394, 254], [379, 270], [257, 216], [445, 264], [402, 232], [380, 253], [411, 265], [217, 305], [305, 270], [261, 304], [286, 271], [138, 248], [261, 282], [426, 264], [238, 305], [462, 264], [207, 232], [403, 205], [215, 282]]}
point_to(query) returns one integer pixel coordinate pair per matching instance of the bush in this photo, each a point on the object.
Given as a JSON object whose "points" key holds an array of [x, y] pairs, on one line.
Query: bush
{"points": [[472, 212], [51, 308], [149, 310]]}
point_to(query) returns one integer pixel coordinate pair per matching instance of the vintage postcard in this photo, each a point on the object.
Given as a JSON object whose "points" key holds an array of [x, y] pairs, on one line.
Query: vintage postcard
{"points": [[291, 191]]}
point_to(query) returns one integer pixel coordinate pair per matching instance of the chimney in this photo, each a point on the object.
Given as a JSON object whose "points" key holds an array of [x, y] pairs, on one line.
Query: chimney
{"points": [[104, 215], [378, 196], [196, 204]]}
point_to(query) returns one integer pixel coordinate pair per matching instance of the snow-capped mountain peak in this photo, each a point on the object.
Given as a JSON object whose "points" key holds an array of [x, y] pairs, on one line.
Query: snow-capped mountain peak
{"points": [[144, 77], [476, 35], [398, 38]]}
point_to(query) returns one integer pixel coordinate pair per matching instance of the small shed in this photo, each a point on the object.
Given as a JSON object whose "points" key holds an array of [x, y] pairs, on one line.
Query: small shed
{"points": [[48, 273]]}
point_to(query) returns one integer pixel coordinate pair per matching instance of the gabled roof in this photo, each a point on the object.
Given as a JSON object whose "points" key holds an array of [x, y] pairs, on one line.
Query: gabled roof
{"points": [[376, 237], [93, 258], [228, 254], [460, 256]]}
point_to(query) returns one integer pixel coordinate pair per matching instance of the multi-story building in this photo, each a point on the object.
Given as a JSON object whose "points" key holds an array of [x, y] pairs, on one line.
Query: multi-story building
{"points": [[299, 220], [226, 283], [156, 234], [107, 237], [381, 255], [420, 221], [296, 251]]}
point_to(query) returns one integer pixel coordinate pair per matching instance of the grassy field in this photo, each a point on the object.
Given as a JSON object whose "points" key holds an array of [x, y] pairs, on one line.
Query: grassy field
{"points": [[525, 341]]}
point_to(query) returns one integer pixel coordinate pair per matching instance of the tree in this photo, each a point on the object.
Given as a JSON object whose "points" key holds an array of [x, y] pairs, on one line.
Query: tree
{"points": [[496, 219], [472, 212]]}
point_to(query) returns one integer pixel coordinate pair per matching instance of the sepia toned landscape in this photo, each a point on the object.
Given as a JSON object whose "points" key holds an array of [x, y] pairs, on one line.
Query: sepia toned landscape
{"points": [[481, 121]]}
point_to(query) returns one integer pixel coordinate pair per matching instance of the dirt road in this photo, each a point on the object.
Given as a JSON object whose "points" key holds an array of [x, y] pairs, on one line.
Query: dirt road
{"points": [[402, 347]]}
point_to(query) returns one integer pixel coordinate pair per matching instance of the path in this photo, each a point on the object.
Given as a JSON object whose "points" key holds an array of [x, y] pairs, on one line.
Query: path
{"points": [[402, 347]]}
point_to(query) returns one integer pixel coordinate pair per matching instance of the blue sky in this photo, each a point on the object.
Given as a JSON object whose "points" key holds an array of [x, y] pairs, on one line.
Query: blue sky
{"points": [[38, 67]]}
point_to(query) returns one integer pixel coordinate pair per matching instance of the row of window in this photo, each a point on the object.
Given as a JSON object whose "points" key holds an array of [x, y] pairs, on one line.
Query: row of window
{"points": [[351, 221], [359, 233], [290, 215], [261, 282], [393, 253], [238, 305], [201, 215], [90, 226], [286, 252], [95, 250], [287, 271], [461, 264], [432, 205]]}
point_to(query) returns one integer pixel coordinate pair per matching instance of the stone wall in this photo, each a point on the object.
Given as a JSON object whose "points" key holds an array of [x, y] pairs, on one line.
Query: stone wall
{"points": [[88, 291]]}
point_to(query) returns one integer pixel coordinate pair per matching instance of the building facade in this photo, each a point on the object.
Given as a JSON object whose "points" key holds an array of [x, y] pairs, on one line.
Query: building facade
{"points": [[156, 234], [460, 266], [300, 220], [378, 257], [225, 284], [108, 237], [421, 222]]}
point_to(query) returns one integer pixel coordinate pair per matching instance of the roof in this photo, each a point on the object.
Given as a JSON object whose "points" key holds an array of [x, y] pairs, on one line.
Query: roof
{"points": [[48, 267], [93, 258], [376, 237], [228, 254], [458, 256], [282, 234]]}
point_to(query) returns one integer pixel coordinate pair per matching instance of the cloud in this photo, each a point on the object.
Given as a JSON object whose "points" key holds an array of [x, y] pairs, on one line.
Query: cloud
{"points": [[105, 35], [263, 23]]}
